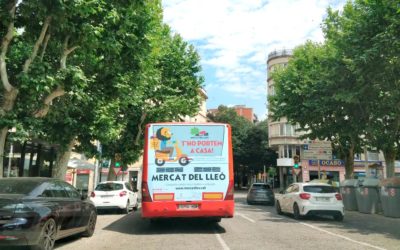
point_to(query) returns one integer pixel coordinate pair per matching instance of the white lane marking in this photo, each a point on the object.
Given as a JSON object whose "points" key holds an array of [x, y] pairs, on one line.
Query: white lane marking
{"points": [[221, 241], [245, 217], [343, 237]]}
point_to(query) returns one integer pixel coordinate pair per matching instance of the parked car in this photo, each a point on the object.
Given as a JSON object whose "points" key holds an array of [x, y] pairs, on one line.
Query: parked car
{"points": [[37, 211], [303, 199], [260, 193], [115, 195]]}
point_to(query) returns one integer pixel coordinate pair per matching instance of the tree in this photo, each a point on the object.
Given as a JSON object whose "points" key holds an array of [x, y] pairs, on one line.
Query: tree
{"points": [[239, 127], [366, 34], [257, 153], [141, 72], [37, 38], [319, 92]]}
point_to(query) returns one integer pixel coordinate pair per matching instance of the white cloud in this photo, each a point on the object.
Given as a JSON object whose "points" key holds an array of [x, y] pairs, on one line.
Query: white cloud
{"points": [[237, 35]]}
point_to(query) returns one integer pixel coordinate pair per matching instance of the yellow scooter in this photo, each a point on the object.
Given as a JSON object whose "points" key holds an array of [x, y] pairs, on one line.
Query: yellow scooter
{"points": [[163, 156]]}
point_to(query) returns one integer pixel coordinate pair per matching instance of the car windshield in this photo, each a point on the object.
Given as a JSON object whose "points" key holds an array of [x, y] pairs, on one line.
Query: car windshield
{"points": [[260, 187], [319, 189], [109, 186], [10, 186]]}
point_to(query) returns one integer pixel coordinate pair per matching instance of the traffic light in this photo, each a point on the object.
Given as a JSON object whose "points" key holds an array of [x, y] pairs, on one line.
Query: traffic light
{"points": [[117, 160], [296, 160]]}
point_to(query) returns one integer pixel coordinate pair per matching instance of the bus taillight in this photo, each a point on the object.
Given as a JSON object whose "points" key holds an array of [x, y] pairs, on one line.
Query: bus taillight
{"points": [[145, 192], [229, 193]]}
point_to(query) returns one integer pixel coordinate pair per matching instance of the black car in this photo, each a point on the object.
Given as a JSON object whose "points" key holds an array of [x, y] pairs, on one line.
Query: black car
{"points": [[260, 193], [37, 211]]}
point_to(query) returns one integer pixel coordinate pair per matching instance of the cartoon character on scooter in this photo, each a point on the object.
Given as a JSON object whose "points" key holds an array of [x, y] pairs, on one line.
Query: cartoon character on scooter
{"points": [[164, 154]]}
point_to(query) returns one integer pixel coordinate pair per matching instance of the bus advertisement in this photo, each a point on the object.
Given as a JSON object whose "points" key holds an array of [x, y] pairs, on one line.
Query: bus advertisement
{"points": [[188, 171]]}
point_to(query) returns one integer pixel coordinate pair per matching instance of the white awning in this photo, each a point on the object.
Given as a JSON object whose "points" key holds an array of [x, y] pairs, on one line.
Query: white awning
{"points": [[80, 164]]}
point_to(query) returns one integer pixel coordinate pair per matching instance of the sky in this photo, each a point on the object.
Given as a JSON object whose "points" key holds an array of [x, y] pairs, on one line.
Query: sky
{"points": [[234, 38]]}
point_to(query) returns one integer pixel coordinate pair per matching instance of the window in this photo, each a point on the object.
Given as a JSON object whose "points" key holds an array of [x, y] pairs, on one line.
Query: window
{"points": [[289, 189], [373, 156], [57, 190], [47, 193], [72, 193], [128, 186], [319, 189], [286, 130], [109, 186], [10, 186], [260, 186]]}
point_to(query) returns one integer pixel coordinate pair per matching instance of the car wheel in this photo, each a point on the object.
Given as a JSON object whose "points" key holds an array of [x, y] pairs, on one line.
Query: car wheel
{"points": [[296, 212], [135, 208], [47, 236], [91, 225], [338, 217], [126, 209], [278, 208]]}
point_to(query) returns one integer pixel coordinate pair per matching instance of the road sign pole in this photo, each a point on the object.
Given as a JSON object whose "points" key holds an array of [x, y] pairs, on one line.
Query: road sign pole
{"points": [[319, 170]]}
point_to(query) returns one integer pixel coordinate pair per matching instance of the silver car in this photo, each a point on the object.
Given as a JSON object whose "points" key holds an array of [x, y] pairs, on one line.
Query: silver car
{"points": [[260, 193]]}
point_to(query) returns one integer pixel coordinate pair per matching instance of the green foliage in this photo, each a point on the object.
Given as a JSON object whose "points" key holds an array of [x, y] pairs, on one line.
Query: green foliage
{"points": [[346, 89], [126, 69], [249, 141]]}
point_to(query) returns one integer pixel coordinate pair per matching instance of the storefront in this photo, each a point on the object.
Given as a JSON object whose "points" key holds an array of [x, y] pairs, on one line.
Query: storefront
{"points": [[29, 159], [80, 173], [335, 169]]}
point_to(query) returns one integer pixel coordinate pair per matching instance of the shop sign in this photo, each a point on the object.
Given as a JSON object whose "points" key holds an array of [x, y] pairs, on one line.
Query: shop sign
{"points": [[331, 163], [362, 163], [83, 171], [326, 162]]}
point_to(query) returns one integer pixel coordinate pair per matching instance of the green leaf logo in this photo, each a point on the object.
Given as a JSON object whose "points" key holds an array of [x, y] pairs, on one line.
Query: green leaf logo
{"points": [[194, 131]]}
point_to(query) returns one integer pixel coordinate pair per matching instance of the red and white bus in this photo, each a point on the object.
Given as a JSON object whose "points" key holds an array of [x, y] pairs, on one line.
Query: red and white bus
{"points": [[188, 171]]}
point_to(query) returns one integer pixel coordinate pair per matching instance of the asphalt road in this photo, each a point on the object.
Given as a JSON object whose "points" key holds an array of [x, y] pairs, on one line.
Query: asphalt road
{"points": [[253, 227]]}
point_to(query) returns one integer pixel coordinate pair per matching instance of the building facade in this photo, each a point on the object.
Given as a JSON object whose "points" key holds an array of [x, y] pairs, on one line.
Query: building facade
{"points": [[282, 136]]}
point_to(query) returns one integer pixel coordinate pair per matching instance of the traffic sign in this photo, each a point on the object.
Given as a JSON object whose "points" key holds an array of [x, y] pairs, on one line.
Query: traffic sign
{"points": [[317, 150], [116, 170]]}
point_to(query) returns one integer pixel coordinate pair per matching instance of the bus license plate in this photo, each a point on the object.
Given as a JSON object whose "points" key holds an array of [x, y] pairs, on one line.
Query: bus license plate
{"points": [[188, 206]]}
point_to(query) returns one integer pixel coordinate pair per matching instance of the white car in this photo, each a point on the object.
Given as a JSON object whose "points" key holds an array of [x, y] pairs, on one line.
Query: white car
{"points": [[302, 199], [115, 195]]}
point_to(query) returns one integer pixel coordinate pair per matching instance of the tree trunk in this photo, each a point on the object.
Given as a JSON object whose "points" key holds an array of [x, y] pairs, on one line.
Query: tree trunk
{"points": [[7, 106], [62, 161], [390, 157], [111, 173], [349, 162], [3, 136]]}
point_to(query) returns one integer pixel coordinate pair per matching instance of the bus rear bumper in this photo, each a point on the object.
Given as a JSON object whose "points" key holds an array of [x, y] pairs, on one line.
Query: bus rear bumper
{"points": [[165, 209]]}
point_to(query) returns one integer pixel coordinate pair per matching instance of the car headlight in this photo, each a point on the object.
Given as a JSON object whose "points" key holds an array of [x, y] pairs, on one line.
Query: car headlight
{"points": [[15, 223]]}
